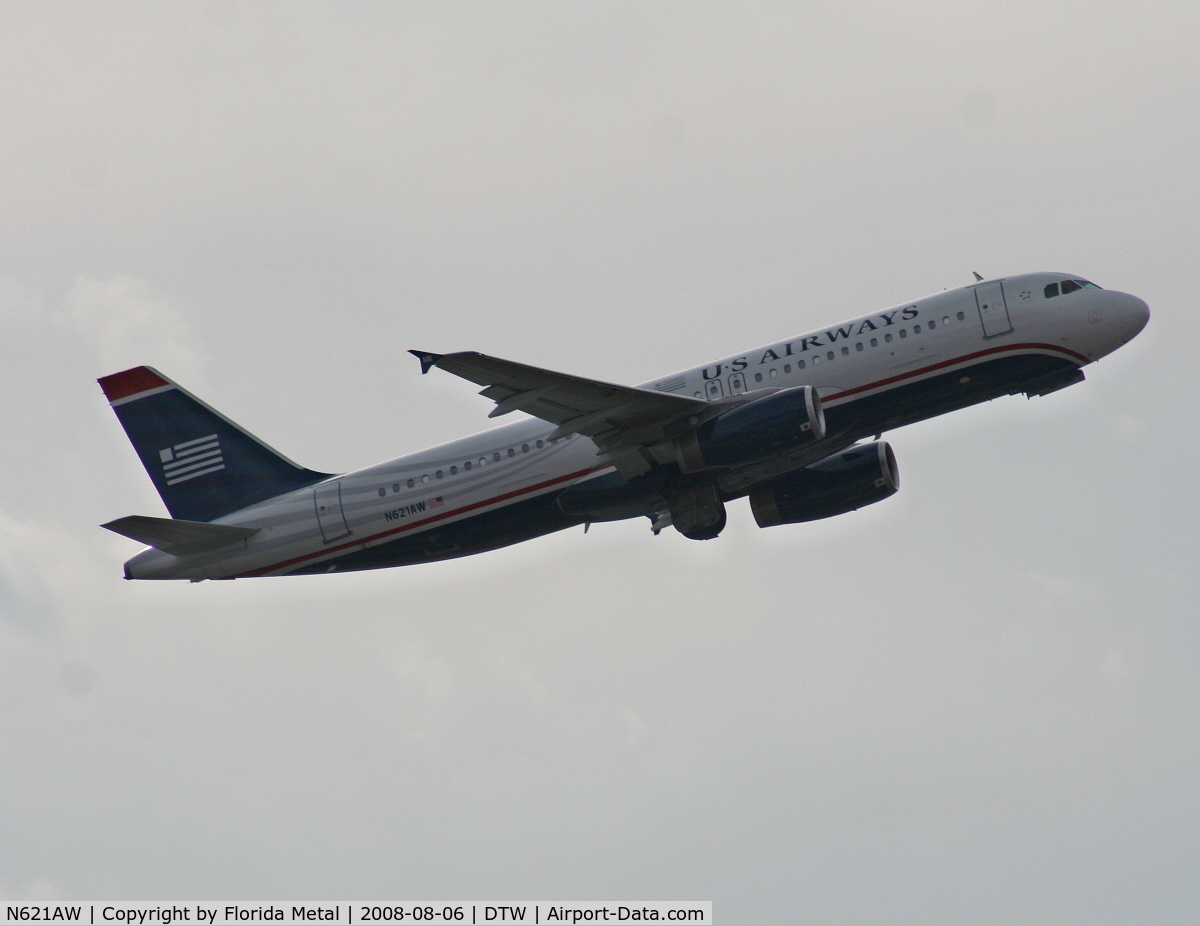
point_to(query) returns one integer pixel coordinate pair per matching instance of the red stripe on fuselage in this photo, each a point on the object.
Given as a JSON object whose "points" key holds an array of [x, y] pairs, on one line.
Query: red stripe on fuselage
{"points": [[441, 516], [949, 363], [583, 472]]}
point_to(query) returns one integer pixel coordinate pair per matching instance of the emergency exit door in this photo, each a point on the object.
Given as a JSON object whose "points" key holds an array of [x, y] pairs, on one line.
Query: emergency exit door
{"points": [[327, 499], [993, 311]]}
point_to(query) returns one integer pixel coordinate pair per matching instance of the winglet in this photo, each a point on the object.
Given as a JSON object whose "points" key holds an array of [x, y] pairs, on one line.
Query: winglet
{"points": [[428, 360]]}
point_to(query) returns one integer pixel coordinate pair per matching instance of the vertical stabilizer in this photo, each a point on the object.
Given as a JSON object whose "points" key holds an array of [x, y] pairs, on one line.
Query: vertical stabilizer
{"points": [[203, 465]]}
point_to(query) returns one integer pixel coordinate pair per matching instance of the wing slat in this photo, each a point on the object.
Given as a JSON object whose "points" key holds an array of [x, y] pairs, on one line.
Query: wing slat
{"points": [[573, 403]]}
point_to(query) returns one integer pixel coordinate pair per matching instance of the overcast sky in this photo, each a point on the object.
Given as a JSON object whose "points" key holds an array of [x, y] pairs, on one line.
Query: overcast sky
{"points": [[976, 702]]}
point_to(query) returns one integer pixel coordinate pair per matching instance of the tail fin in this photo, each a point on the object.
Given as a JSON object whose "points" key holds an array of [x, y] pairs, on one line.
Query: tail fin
{"points": [[203, 465]]}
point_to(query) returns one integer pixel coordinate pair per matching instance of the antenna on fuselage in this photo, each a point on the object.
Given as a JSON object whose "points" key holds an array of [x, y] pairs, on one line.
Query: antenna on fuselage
{"points": [[978, 278]]}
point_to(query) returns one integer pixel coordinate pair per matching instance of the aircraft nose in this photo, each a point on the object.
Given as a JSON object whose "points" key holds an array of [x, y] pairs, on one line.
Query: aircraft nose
{"points": [[1135, 314]]}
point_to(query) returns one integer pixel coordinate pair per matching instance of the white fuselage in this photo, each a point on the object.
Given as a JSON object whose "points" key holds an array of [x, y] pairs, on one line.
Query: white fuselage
{"points": [[862, 361]]}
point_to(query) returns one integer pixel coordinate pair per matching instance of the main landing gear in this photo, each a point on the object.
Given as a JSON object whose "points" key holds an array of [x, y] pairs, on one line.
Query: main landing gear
{"points": [[695, 509]]}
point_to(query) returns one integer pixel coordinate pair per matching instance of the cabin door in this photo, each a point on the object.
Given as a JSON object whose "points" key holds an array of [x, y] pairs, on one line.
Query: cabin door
{"points": [[993, 312], [327, 499]]}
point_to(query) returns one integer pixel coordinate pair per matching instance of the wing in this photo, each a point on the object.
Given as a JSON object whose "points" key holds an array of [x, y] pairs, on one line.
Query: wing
{"points": [[620, 419]]}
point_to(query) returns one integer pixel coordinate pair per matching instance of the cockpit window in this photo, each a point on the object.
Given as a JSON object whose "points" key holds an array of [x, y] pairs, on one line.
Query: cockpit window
{"points": [[1068, 286]]}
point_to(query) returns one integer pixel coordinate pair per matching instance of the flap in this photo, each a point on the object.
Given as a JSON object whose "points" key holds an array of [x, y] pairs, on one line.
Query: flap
{"points": [[178, 537], [609, 413]]}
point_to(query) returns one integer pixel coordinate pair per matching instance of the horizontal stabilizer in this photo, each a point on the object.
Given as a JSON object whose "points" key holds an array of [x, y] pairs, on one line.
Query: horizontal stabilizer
{"points": [[178, 537]]}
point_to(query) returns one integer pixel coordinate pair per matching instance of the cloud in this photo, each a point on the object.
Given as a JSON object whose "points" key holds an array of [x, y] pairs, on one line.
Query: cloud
{"points": [[26, 599], [46, 574], [20, 307], [978, 107], [37, 891], [426, 683], [128, 322]]}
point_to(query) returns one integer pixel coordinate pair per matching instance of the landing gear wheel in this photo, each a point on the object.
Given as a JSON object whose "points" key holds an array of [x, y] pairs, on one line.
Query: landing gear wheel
{"points": [[698, 513], [708, 532]]}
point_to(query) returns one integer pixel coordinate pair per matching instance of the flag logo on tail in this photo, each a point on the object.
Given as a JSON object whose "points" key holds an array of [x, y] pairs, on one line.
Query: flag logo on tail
{"points": [[192, 458]]}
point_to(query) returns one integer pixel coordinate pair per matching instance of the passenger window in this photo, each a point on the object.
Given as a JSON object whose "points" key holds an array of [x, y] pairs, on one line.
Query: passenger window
{"points": [[917, 328], [904, 332], [699, 396], [540, 445], [482, 461], [411, 483], [799, 364], [1069, 286], [425, 478], [960, 316], [467, 466], [946, 320], [845, 352], [439, 474], [773, 373], [453, 470], [816, 360], [758, 377], [787, 368], [511, 452], [829, 356], [524, 448], [496, 457], [1051, 290], [888, 338], [932, 324], [382, 492], [858, 346], [874, 342], [395, 487]]}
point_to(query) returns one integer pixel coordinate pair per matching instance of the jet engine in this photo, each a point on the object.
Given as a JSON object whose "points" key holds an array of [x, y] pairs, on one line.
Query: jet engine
{"points": [[854, 477], [757, 429]]}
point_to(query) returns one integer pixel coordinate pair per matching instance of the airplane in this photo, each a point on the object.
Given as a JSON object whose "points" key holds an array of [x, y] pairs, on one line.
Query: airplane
{"points": [[796, 426]]}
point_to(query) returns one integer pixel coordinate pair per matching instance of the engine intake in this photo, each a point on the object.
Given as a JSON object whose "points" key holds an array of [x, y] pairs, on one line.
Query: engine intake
{"points": [[844, 481], [758, 429]]}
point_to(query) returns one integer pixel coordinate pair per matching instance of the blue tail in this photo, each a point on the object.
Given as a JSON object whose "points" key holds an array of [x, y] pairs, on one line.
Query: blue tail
{"points": [[203, 465]]}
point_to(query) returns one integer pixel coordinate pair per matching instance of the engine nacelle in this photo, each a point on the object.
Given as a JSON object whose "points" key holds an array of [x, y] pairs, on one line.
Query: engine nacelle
{"points": [[773, 424], [852, 478]]}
